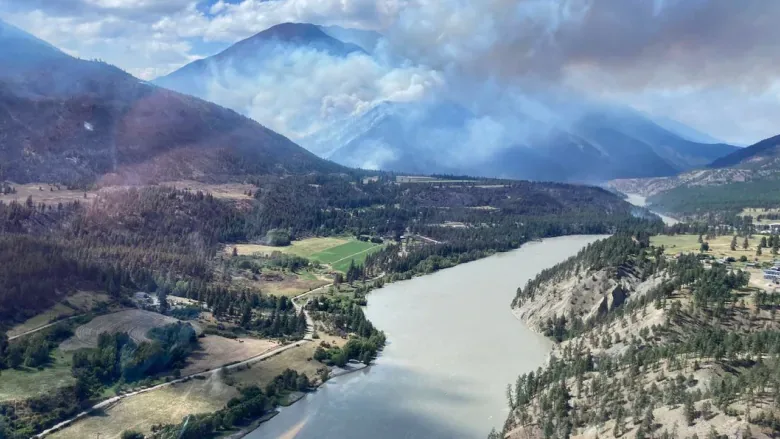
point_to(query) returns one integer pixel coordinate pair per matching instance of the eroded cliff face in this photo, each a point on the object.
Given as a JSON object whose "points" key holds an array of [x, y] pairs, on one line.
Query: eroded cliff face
{"points": [[584, 296], [630, 368]]}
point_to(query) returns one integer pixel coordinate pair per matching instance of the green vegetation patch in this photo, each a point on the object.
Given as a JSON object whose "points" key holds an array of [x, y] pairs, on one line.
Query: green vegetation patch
{"points": [[26, 382], [341, 256]]}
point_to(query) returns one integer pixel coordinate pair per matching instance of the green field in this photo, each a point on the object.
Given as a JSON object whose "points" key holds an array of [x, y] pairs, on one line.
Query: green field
{"points": [[304, 248], [339, 257], [26, 382]]}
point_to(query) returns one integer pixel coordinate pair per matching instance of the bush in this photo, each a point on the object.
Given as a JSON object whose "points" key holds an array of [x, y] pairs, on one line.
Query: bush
{"points": [[132, 434]]}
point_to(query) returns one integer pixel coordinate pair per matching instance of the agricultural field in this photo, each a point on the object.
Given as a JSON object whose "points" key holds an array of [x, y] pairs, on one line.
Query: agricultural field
{"points": [[262, 372], [215, 351], [168, 405], [339, 257], [304, 248], [75, 304], [135, 322], [720, 246], [171, 404], [25, 382]]}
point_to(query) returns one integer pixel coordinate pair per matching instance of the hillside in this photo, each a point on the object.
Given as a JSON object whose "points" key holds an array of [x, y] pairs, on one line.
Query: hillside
{"points": [[747, 178], [600, 145], [763, 154], [68, 120], [648, 347]]}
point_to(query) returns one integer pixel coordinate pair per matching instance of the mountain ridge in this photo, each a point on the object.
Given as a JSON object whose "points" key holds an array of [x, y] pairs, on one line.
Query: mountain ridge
{"points": [[74, 121]]}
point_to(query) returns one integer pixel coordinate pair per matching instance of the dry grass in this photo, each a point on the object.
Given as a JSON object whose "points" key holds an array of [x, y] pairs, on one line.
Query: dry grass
{"points": [[262, 372], [168, 405], [78, 303], [283, 283], [720, 247], [45, 193], [215, 351], [303, 248], [229, 191], [135, 322]]}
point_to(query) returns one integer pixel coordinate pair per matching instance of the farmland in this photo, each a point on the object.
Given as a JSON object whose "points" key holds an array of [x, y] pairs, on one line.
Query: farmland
{"points": [[166, 405], [720, 246], [304, 248], [339, 257], [135, 322], [214, 351], [337, 252]]}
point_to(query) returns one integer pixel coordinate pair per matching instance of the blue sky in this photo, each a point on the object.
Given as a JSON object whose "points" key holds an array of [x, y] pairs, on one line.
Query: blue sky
{"points": [[711, 64]]}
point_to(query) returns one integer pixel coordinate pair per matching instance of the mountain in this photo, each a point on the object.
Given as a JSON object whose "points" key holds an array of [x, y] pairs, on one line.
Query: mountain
{"points": [[434, 137], [746, 178], [684, 131], [245, 56], [596, 144], [64, 119], [763, 154]]}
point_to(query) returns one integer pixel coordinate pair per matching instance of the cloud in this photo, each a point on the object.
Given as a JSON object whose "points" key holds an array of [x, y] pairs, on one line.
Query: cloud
{"points": [[667, 57]]}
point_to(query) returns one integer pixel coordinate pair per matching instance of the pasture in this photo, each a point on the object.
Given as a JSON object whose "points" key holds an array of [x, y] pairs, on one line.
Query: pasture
{"points": [[215, 351]]}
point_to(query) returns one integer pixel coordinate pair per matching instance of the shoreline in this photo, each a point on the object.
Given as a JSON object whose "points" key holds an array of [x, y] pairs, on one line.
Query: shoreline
{"points": [[254, 425]]}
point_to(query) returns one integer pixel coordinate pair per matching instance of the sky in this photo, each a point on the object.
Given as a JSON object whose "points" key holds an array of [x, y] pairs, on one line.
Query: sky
{"points": [[710, 64]]}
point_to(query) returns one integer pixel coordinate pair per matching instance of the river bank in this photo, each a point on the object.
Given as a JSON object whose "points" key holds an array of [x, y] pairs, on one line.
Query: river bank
{"points": [[453, 346], [639, 200]]}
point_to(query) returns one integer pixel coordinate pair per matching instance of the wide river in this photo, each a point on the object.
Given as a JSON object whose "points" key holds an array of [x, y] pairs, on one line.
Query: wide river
{"points": [[453, 346]]}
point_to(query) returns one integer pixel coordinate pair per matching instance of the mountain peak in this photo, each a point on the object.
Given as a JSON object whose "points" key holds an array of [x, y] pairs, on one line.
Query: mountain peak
{"points": [[22, 49], [294, 34]]}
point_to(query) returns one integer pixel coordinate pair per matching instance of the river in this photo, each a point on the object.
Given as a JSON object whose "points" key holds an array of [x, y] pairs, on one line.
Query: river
{"points": [[638, 200], [453, 346]]}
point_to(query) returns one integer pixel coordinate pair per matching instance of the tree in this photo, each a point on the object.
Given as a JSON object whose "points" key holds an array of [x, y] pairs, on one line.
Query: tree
{"points": [[235, 251], [705, 247], [132, 434], [689, 410], [758, 251], [745, 243], [734, 243]]}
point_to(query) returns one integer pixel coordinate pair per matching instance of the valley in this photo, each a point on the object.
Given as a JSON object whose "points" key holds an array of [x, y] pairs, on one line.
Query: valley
{"points": [[343, 220]]}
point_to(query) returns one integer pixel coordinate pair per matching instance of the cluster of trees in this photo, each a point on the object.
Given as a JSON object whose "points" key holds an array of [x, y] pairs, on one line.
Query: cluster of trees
{"points": [[346, 316], [615, 386], [249, 405], [22, 419], [119, 358], [34, 350]]}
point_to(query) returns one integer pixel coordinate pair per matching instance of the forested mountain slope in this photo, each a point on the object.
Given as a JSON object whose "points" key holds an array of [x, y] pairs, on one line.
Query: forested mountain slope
{"points": [[648, 347], [747, 178], [68, 120]]}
